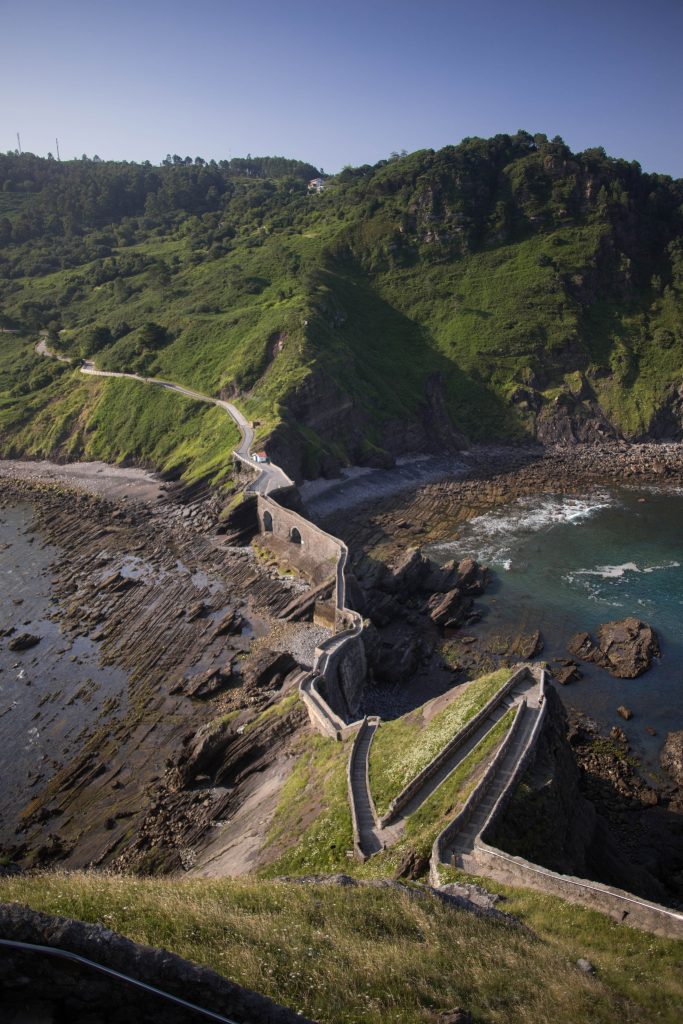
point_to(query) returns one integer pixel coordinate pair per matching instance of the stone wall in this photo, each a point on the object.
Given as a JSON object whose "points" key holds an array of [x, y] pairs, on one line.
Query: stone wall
{"points": [[42, 987], [406, 794], [334, 690], [622, 906], [288, 525]]}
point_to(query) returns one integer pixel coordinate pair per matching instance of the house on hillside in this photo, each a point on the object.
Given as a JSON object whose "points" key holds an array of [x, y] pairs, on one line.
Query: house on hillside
{"points": [[316, 185], [260, 457]]}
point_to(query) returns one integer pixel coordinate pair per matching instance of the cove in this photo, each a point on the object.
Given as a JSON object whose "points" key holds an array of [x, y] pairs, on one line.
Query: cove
{"points": [[564, 564]]}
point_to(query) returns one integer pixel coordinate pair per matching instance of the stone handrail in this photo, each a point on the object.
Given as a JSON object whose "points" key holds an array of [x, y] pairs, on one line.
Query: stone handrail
{"points": [[445, 837], [461, 737]]}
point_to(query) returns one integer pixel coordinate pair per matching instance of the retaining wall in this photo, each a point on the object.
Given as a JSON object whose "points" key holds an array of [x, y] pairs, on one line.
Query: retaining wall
{"points": [[620, 905], [409, 791], [446, 837]]}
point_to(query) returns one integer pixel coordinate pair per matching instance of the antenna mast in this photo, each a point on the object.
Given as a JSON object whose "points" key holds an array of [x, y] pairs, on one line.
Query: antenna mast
{"points": [[19, 143], [57, 143]]}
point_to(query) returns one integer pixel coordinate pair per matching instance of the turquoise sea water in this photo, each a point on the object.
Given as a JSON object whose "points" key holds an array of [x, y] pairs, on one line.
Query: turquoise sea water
{"points": [[565, 564]]}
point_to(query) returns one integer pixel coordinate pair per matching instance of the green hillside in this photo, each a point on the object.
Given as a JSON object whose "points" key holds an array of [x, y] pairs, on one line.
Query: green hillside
{"points": [[375, 954], [502, 288]]}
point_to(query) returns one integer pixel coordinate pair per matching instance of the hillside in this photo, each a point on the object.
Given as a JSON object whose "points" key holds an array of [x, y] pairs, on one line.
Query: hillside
{"points": [[379, 953], [498, 289]]}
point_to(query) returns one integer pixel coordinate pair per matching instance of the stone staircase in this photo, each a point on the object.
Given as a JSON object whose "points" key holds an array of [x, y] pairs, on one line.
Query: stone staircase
{"points": [[365, 824]]}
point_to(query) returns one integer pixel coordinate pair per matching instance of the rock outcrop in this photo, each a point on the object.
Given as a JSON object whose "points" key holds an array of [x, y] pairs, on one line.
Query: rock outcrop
{"points": [[671, 756], [42, 988], [625, 648]]}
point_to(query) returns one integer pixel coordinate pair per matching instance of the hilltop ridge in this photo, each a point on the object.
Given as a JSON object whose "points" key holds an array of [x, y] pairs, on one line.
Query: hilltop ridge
{"points": [[498, 289]]}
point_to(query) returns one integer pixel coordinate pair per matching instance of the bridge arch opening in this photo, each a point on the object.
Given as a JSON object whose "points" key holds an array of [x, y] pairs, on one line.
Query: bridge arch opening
{"points": [[267, 522], [295, 536]]}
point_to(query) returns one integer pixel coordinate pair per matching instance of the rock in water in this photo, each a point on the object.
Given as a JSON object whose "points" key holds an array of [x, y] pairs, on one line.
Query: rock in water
{"points": [[625, 648], [23, 642], [671, 757], [625, 712]]}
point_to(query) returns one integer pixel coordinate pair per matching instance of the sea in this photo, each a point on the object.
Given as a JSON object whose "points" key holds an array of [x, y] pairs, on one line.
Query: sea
{"points": [[51, 694], [565, 564]]}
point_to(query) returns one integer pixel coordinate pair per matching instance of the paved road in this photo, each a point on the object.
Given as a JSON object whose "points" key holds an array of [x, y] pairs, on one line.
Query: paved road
{"points": [[43, 350], [270, 477]]}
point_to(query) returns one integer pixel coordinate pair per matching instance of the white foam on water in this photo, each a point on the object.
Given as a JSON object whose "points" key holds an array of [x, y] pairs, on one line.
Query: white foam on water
{"points": [[612, 572], [492, 537]]}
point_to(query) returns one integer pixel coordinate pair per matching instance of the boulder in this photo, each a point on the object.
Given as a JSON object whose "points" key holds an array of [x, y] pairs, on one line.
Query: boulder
{"points": [[409, 573], [566, 674], [625, 648], [398, 661], [472, 577], [23, 642], [450, 609], [671, 756], [625, 712], [267, 670], [527, 645]]}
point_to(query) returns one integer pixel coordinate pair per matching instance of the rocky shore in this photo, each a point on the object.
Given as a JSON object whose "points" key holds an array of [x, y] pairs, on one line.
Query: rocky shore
{"points": [[187, 618], [495, 476]]}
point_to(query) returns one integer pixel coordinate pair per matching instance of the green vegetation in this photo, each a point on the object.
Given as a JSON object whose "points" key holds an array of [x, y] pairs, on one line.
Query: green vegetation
{"points": [[424, 825], [312, 832], [636, 965], [372, 955], [501, 282], [117, 421], [403, 747]]}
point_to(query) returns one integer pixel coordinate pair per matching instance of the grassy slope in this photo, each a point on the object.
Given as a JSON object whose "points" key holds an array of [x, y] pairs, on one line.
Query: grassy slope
{"points": [[405, 746], [342, 284], [80, 418], [312, 832], [375, 955]]}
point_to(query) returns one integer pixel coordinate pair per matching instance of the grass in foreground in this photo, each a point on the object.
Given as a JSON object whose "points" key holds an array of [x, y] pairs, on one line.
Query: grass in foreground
{"points": [[374, 955], [638, 966], [404, 747]]}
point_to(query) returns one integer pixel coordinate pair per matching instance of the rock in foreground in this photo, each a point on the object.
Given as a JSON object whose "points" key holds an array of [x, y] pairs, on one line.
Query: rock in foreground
{"points": [[625, 648]]}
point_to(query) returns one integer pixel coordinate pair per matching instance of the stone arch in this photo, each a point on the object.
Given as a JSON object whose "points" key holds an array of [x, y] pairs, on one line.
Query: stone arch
{"points": [[295, 536], [267, 522]]}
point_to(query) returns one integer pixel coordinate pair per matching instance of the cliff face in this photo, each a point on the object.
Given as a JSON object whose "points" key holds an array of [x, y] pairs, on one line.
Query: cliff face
{"points": [[553, 821]]}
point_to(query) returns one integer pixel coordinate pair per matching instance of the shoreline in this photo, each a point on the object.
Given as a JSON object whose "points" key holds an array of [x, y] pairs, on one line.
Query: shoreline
{"points": [[117, 483], [497, 476]]}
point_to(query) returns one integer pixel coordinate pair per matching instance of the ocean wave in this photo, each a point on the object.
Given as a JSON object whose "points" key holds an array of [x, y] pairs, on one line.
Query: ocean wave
{"points": [[493, 536], [612, 572]]}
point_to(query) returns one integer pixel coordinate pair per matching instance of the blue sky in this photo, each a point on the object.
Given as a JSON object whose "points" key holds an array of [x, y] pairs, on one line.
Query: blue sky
{"points": [[340, 82]]}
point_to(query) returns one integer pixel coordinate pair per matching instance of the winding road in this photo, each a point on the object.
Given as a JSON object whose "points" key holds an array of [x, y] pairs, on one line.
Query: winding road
{"points": [[269, 476]]}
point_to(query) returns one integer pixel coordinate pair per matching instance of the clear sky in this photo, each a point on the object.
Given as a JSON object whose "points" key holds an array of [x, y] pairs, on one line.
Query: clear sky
{"points": [[339, 81]]}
